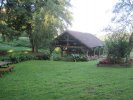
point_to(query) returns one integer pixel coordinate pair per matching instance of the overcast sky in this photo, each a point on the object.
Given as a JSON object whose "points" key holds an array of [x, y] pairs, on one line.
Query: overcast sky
{"points": [[91, 15]]}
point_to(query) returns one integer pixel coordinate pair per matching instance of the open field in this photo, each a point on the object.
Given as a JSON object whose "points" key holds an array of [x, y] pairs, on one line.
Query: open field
{"points": [[49, 80]]}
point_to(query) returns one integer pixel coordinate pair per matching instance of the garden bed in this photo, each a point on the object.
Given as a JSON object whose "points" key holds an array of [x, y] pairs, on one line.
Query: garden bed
{"points": [[115, 65]]}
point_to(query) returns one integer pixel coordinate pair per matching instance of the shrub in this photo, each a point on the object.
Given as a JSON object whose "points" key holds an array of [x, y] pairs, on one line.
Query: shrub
{"points": [[5, 58], [57, 50], [56, 54], [56, 57], [117, 47], [75, 57], [15, 58], [78, 57], [42, 56], [67, 58], [83, 58]]}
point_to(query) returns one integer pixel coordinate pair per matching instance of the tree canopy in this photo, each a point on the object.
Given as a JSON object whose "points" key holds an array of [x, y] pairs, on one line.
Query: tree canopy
{"points": [[40, 19]]}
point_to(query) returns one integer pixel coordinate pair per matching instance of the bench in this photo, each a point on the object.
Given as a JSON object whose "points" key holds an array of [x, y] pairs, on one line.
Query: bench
{"points": [[4, 67], [5, 70]]}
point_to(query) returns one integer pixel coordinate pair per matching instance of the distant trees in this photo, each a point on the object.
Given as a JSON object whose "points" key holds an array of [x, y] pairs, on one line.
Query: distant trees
{"points": [[40, 19]]}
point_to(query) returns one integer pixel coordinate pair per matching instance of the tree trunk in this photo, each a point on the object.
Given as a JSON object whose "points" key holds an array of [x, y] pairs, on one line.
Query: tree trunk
{"points": [[36, 49], [29, 31]]}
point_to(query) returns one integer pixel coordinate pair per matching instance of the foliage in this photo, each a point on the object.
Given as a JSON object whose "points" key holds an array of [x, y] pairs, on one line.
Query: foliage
{"points": [[49, 24], [83, 58], [21, 42], [16, 58], [117, 47], [67, 58], [123, 11], [75, 57], [6, 49], [56, 57], [19, 56], [78, 57], [57, 50], [40, 19], [42, 55], [56, 54]]}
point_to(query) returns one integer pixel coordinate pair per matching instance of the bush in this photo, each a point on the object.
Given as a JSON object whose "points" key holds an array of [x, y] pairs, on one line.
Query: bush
{"points": [[83, 58], [15, 58], [21, 57], [56, 57], [5, 58], [57, 50], [42, 56], [56, 54], [67, 58], [117, 47], [77, 57]]}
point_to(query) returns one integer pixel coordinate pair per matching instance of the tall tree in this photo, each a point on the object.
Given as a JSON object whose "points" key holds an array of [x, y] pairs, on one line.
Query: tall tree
{"points": [[124, 15], [50, 22], [24, 16]]}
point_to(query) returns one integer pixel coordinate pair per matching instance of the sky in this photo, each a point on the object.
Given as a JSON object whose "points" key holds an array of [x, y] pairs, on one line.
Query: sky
{"points": [[91, 16]]}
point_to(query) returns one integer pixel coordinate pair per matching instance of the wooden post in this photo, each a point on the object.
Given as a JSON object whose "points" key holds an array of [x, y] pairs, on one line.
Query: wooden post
{"points": [[67, 40], [86, 53], [94, 51], [99, 52], [103, 51], [61, 52]]}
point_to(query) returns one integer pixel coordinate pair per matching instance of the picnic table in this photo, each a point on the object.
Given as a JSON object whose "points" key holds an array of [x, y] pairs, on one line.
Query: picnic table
{"points": [[4, 67]]}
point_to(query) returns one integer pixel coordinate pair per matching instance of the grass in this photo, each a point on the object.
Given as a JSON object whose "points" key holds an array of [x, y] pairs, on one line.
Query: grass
{"points": [[49, 80], [7, 47]]}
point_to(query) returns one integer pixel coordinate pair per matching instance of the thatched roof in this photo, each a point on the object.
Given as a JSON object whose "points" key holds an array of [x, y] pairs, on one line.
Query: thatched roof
{"points": [[87, 39]]}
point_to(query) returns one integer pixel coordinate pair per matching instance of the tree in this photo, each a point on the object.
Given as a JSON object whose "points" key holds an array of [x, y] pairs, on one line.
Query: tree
{"points": [[48, 24], [116, 47], [14, 19], [27, 16], [124, 16]]}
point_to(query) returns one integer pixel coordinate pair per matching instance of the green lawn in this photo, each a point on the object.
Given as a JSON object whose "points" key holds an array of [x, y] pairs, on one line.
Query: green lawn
{"points": [[49, 80]]}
